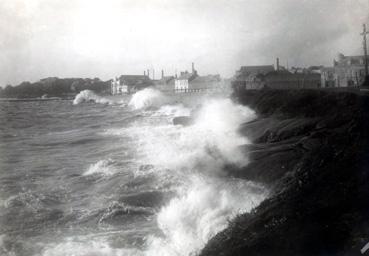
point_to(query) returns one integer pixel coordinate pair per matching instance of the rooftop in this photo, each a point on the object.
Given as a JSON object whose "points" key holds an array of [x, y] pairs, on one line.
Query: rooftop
{"points": [[187, 76], [207, 79], [256, 69], [357, 60], [135, 79]]}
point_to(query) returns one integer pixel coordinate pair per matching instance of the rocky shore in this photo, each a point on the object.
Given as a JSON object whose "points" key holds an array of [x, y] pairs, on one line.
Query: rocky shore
{"points": [[311, 148]]}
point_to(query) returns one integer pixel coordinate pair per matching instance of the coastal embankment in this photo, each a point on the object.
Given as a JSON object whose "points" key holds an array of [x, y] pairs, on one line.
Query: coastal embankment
{"points": [[311, 149]]}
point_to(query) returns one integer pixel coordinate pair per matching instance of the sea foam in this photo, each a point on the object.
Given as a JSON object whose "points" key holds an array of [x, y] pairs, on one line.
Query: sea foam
{"points": [[206, 208], [88, 95], [148, 97], [77, 246], [210, 142], [205, 198], [102, 167]]}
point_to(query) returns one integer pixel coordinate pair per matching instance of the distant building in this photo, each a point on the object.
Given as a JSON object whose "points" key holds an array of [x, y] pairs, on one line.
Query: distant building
{"points": [[349, 70], [259, 77], [181, 83], [287, 80], [192, 82], [298, 70], [251, 77], [329, 78], [126, 84], [315, 69], [201, 83], [165, 83]]}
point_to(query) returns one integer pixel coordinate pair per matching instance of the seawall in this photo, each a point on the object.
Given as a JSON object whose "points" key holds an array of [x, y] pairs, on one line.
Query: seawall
{"points": [[311, 148]]}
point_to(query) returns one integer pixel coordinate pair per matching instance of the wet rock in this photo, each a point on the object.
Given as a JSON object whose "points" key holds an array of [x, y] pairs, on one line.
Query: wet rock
{"points": [[311, 148]]}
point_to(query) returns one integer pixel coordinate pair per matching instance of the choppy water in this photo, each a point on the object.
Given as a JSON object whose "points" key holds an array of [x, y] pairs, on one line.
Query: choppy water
{"points": [[119, 178]]}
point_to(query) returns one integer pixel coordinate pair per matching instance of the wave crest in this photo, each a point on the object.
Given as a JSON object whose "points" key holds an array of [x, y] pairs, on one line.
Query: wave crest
{"points": [[192, 219], [102, 167], [148, 97], [88, 96], [210, 142]]}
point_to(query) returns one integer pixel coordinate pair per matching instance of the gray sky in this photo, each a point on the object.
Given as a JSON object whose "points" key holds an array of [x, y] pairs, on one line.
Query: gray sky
{"points": [[105, 38]]}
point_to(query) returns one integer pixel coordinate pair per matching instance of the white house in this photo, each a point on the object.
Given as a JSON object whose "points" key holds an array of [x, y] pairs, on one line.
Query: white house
{"points": [[181, 83], [117, 87], [126, 84]]}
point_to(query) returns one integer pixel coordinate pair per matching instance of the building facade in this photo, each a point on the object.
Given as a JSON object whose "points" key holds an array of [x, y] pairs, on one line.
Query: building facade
{"points": [[204, 83], [251, 77], [181, 83], [260, 77], [329, 78], [287, 80], [192, 82], [126, 84], [349, 70], [165, 84]]}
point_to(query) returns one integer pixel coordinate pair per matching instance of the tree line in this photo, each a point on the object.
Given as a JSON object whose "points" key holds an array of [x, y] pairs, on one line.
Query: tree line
{"points": [[55, 87]]}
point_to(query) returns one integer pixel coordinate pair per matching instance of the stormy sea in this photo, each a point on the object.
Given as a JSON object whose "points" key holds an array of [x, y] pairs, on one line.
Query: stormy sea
{"points": [[116, 176]]}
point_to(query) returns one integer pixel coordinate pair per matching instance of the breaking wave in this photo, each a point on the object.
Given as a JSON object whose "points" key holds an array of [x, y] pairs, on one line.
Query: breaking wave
{"points": [[88, 96], [103, 167], [205, 209], [205, 199], [148, 97], [149, 188], [210, 142]]}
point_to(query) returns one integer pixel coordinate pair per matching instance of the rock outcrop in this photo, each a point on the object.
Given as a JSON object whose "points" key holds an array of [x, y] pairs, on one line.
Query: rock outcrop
{"points": [[311, 148]]}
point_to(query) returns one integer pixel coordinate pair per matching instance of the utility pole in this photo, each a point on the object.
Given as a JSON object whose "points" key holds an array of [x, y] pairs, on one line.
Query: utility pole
{"points": [[365, 32]]}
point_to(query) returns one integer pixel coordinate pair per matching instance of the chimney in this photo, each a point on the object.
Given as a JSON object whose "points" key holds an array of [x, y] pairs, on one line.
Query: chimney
{"points": [[144, 73], [148, 73], [162, 74], [153, 74], [277, 64], [193, 68]]}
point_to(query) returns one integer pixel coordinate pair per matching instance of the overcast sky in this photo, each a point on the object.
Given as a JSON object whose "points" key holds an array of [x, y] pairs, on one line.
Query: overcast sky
{"points": [[105, 38]]}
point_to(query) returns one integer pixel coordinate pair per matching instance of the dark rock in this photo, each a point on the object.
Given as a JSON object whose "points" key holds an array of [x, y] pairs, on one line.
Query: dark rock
{"points": [[311, 148]]}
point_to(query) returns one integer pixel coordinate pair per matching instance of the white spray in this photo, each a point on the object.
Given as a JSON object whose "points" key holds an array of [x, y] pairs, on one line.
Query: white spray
{"points": [[211, 142], [148, 97], [88, 95], [206, 200]]}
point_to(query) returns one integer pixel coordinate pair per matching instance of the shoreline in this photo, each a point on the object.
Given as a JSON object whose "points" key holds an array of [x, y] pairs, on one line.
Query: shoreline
{"points": [[313, 159], [33, 99]]}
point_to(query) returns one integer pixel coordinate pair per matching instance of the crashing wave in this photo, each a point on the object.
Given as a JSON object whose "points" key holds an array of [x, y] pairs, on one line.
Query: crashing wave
{"points": [[211, 141], [193, 218], [102, 167], [90, 96], [173, 111], [205, 199], [148, 97]]}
